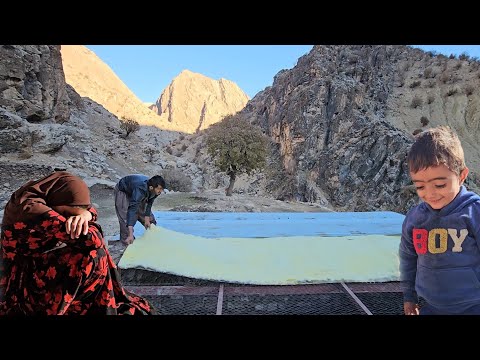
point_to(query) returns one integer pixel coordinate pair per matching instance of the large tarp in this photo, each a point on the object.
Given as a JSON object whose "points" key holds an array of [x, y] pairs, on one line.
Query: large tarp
{"points": [[331, 247]]}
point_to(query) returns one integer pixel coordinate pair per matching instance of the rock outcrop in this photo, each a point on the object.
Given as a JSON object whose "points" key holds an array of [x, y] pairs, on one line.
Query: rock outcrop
{"points": [[34, 102], [32, 83], [193, 101]]}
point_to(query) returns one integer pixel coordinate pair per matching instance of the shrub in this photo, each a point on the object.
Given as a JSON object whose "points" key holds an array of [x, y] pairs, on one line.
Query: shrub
{"points": [[452, 91], [424, 120], [444, 77], [429, 73], [416, 102], [129, 126], [149, 152], [176, 180], [415, 84], [468, 90]]}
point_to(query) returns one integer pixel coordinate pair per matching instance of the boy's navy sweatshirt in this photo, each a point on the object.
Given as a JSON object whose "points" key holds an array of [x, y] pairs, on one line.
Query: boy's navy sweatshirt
{"points": [[440, 253]]}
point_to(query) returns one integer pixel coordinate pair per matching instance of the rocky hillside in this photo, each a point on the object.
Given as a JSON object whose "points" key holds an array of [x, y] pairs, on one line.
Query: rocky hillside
{"points": [[46, 124], [191, 102], [342, 120]]}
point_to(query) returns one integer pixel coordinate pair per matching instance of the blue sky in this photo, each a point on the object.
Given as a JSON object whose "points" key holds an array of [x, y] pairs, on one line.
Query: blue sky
{"points": [[148, 69]]}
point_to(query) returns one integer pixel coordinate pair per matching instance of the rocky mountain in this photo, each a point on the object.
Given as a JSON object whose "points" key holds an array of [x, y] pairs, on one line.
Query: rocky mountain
{"points": [[341, 121], [191, 101], [92, 78], [45, 124]]}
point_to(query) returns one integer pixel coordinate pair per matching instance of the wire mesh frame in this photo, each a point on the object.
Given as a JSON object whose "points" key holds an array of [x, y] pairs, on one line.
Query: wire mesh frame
{"points": [[319, 299]]}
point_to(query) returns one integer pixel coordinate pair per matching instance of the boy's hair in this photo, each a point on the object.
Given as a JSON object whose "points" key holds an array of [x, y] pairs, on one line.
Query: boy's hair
{"points": [[434, 147], [155, 181]]}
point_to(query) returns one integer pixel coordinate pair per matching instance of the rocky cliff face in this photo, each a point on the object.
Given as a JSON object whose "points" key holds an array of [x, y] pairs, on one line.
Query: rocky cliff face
{"points": [[32, 83], [34, 103], [342, 121], [194, 102]]}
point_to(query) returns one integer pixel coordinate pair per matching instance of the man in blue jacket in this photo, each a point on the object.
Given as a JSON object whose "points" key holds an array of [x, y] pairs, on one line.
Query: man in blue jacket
{"points": [[134, 196]]}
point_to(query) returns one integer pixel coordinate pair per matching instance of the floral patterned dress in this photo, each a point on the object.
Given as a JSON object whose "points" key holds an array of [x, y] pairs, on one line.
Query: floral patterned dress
{"points": [[45, 272]]}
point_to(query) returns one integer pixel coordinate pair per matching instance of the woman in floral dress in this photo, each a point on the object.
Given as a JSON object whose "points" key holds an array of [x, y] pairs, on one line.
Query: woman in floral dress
{"points": [[53, 258]]}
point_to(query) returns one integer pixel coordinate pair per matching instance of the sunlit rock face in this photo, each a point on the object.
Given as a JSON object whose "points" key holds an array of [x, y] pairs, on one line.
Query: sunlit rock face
{"points": [[343, 118]]}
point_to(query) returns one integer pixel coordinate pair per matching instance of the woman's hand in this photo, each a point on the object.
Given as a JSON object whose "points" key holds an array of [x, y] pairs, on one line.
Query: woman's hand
{"points": [[78, 224], [77, 219]]}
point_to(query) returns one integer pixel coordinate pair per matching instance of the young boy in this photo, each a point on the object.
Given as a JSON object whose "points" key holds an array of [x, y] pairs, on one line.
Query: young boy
{"points": [[440, 245]]}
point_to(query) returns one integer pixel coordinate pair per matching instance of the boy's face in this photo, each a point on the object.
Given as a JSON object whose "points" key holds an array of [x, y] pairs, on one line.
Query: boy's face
{"points": [[438, 185]]}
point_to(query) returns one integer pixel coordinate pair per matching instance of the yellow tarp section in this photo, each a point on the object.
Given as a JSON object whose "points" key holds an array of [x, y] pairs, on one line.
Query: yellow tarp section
{"points": [[266, 261]]}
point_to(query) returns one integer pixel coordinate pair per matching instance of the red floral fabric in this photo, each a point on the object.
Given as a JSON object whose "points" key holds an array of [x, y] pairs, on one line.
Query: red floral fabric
{"points": [[39, 276]]}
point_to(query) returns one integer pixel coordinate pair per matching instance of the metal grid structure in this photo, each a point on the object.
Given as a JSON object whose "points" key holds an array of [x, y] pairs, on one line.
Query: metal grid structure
{"points": [[293, 300], [178, 295]]}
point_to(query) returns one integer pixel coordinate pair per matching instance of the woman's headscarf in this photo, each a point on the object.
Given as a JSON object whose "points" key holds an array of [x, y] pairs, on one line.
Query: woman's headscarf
{"points": [[37, 197]]}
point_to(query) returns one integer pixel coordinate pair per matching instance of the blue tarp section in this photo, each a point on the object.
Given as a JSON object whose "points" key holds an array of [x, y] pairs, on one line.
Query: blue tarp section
{"points": [[264, 225]]}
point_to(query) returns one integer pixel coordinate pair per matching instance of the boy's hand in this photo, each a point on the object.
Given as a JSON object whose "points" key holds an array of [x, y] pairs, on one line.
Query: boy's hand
{"points": [[410, 308]]}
